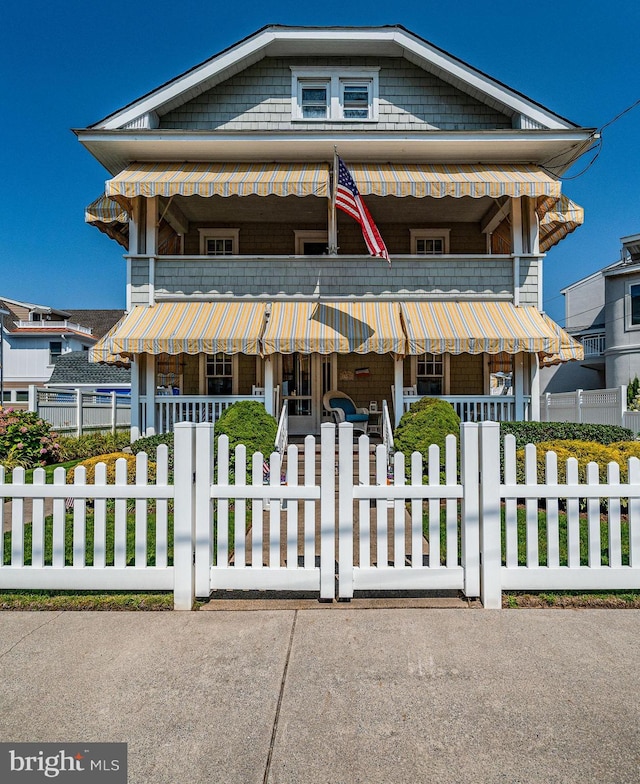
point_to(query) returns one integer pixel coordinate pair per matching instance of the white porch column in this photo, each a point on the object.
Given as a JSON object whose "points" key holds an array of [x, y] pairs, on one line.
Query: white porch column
{"points": [[534, 387], [152, 244], [518, 385], [516, 246], [135, 400], [398, 383], [150, 386], [268, 386]]}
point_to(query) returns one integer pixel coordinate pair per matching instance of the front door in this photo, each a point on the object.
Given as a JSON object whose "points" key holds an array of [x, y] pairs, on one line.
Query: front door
{"points": [[304, 379]]}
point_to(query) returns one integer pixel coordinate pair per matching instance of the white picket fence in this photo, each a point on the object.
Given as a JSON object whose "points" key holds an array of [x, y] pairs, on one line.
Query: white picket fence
{"points": [[73, 411], [274, 526]]}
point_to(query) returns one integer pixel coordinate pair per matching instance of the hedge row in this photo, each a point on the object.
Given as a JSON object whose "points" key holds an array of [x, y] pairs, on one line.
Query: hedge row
{"points": [[537, 432]]}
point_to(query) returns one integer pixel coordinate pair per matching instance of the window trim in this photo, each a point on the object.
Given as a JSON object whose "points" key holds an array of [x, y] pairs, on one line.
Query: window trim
{"points": [[308, 235], [429, 234], [56, 355], [334, 78], [219, 234], [204, 376], [445, 370], [630, 326]]}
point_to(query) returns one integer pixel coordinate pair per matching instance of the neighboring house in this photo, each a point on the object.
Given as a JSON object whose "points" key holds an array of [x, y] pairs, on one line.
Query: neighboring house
{"points": [[602, 311], [241, 276], [73, 370], [35, 336]]}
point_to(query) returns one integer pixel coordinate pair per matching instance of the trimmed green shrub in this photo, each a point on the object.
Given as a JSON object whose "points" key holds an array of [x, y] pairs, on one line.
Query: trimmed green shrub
{"points": [[26, 440], [425, 424], [536, 432], [91, 444], [247, 422], [110, 461], [584, 451]]}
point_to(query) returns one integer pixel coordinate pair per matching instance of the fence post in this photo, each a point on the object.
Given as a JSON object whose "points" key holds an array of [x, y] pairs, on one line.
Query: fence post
{"points": [[183, 516], [490, 528], [345, 510], [469, 474], [114, 412], [622, 407], [327, 510], [32, 405], [79, 402], [203, 508], [578, 405]]}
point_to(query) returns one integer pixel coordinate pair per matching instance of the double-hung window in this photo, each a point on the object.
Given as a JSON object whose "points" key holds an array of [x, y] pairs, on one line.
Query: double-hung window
{"points": [[334, 94], [219, 242], [429, 242]]}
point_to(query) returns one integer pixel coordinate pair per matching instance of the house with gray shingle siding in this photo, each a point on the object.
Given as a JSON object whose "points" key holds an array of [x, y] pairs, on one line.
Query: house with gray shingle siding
{"points": [[243, 279]]}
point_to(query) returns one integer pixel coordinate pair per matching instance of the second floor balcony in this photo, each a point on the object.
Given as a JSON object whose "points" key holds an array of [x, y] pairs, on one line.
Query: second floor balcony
{"points": [[594, 344]]}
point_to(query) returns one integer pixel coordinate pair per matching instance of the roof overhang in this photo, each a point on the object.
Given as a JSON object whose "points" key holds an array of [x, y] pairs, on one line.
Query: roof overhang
{"points": [[118, 149]]}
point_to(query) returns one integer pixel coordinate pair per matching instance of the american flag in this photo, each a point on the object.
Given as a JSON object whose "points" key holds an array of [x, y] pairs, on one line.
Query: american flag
{"points": [[348, 200]]}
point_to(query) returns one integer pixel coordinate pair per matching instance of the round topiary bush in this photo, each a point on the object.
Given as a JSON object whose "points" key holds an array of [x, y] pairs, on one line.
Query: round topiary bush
{"points": [[110, 461], [426, 423], [247, 422], [26, 440]]}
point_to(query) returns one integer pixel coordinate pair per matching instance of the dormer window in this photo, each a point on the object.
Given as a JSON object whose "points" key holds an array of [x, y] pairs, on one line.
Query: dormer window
{"points": [[334, 94], [36, 316]]}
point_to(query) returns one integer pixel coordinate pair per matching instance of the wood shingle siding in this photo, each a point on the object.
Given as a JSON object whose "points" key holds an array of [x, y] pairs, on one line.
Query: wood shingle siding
{"points": [[260, 98]]}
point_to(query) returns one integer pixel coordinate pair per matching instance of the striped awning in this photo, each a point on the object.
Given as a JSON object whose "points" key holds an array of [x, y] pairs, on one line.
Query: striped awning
{"points": [[341, 327], [110, 218], [437, 180], [219, 179], [570, 348], [100, 351], [480, 327], [186, 328], [561, 219]]}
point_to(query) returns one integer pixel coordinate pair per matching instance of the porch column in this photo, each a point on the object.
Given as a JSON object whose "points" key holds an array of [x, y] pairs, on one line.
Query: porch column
{"points": [[152, 244], [516, 246], [135, 400], [534, 388], [150, 386], [518, 385], [398, 383], [268, 386]]}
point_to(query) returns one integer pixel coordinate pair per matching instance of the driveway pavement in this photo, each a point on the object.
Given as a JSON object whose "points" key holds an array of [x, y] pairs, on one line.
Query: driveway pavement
{"points": [[377, 696]]}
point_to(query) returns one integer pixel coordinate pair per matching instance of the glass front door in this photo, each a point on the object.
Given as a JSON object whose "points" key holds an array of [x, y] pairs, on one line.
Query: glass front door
{"points": [[297, 389]]}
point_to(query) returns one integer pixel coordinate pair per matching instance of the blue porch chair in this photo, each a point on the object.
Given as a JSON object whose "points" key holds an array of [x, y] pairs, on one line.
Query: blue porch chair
{"points": [[344, 410]]}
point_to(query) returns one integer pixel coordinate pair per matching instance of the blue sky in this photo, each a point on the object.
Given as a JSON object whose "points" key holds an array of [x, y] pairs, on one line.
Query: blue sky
{"points": [[68, 64]]}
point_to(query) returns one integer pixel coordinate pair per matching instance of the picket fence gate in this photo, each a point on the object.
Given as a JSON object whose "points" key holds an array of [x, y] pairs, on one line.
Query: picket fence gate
{"points": [[348, 522]]}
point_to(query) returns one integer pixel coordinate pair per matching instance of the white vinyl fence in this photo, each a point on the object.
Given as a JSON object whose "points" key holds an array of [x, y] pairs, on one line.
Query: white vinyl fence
{"points": [[593, 406], [269, 523], [74, 412]]}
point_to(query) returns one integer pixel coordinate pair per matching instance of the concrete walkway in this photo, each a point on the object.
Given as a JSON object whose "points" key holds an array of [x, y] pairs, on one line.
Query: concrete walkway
{"points": [[352, 697]]}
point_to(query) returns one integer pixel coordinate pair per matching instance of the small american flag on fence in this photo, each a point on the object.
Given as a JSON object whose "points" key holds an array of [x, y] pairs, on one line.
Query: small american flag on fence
{"points": [[348, 200]]}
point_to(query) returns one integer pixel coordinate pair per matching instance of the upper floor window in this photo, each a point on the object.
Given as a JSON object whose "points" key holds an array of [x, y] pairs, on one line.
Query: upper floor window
{"points": [[334, 94], [219, 242], [430, 374], [633, 312], [429, 242], [55, 350]]}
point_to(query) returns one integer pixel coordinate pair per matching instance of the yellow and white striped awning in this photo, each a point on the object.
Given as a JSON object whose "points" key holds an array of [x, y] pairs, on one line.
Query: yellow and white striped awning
{"points": [[186, 328], [481, 327], [437, 180], [220, 179], [561, 219], [341, 327], [570, 348], [100, 351], [110, 218]]}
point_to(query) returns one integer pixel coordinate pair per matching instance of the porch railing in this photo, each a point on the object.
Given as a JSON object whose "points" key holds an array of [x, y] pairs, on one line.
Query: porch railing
{"points": [[480, 408], [171, 409], [387, 432], [282, 436]]}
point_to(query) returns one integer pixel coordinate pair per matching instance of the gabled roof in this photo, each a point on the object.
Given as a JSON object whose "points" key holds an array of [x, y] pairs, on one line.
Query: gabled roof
{"points": [[386, 41]]}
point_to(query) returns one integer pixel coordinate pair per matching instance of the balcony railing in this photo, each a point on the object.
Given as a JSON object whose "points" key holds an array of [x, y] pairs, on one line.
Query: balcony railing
{"points": [[594, 345], [55, 326]]}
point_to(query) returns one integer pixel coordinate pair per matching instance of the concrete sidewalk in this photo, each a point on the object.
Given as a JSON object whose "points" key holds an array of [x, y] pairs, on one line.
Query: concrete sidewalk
{"points": [[358, 696]]}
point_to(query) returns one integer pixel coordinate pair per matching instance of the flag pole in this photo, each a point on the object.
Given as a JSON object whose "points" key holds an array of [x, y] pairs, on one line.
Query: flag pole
{"points": [[333, 221]]}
